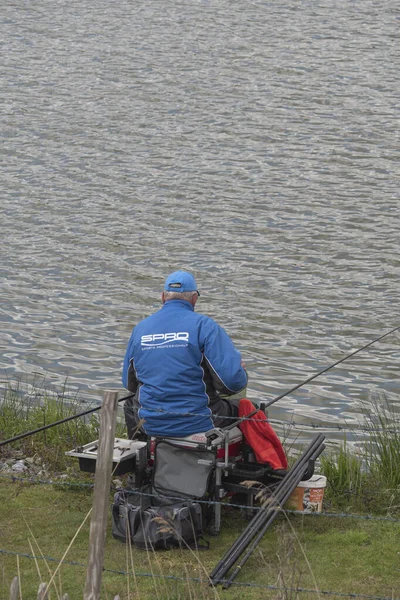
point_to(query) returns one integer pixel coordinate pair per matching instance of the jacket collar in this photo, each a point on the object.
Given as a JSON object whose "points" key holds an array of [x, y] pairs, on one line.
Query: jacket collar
{"points": [[181, 303]]}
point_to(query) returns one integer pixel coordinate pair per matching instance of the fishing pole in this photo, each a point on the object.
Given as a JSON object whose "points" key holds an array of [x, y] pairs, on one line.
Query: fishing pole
{"points": [[256, 528], [20, 436], [265, 405], [296, 387]]}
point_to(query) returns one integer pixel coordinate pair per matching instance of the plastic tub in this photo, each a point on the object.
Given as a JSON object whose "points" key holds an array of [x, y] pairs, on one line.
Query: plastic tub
{"points": [[308, 495]]}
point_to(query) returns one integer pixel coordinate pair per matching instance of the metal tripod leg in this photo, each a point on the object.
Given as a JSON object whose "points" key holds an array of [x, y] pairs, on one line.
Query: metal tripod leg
{"points": [[216, 526]]}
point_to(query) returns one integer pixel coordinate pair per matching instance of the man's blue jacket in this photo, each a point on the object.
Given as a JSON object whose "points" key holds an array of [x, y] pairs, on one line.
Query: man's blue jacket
{"points": [[177, 363]]}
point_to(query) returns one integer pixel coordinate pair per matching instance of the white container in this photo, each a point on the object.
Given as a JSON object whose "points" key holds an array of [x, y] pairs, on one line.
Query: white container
{"points": [[126, 455], [309, 495]]}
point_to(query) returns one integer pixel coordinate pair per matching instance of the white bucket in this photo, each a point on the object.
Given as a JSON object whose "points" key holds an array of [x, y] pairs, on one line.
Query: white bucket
{"points": [[309, 495]]}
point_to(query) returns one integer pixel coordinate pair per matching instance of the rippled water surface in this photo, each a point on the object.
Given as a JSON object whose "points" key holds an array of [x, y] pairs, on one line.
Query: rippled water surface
{"points": [[253, 143]]}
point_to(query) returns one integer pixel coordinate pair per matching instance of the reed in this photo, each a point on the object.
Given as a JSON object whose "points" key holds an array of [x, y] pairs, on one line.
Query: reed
{"points": [[383, 448], [344, 472], [21, 412], [369, 479]]}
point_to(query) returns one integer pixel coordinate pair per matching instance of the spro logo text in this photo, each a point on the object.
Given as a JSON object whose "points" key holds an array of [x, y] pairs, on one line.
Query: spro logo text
{"points": [[158, 339]]}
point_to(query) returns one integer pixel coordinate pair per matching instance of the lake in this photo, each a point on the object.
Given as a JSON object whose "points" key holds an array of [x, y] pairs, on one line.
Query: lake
{"points": [[255, 144]]}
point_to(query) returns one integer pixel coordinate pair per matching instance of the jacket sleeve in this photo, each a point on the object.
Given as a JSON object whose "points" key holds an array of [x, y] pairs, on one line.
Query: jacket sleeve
{"points": [[224, 361], [129, 378]]}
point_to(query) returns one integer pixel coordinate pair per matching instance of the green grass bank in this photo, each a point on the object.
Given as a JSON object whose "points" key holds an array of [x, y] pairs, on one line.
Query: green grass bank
{"points": [[302, 556]]}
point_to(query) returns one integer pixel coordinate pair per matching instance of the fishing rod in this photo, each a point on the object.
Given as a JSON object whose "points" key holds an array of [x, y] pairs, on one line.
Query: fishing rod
{"points": [[20, 436], [296, 387], [257, 527], [277, 501], [265, 405]]}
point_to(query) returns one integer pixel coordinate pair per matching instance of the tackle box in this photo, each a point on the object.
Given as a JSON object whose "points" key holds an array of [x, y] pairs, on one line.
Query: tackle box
{"points": [[127, 455]]}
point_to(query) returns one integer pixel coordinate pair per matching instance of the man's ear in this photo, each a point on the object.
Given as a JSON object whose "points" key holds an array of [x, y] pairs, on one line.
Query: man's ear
{"points": [[194, 299], [163, 298]]}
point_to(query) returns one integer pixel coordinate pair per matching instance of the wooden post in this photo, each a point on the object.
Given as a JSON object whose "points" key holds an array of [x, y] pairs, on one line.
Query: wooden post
{"points": [[14, 589], [101, 494], [42, 592]]}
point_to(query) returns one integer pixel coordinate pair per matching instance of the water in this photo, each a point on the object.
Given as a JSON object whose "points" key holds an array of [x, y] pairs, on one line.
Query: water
{"points": [[255, 144]]}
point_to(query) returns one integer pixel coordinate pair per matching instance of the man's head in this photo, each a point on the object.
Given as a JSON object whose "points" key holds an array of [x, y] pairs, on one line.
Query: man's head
{"points": [[180, 285]]}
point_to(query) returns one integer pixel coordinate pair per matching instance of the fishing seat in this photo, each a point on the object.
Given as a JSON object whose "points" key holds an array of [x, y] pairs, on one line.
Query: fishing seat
{"points": [[208, 466], [214, 466]]}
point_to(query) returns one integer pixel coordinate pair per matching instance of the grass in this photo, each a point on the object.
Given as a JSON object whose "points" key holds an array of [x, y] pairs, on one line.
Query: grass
{"points": [[20, 413], [369, 480], [327, 554], [313, 553], [344, 472], [383, 449]]}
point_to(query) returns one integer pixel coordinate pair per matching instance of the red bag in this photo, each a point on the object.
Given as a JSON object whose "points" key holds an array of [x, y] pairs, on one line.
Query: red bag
{"points": [[261, 437]]}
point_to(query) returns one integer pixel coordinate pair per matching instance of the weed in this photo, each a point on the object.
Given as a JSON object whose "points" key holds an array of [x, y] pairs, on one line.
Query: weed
{"points": [[344, 472], [369, 479], [22, 413], [383, 448]]}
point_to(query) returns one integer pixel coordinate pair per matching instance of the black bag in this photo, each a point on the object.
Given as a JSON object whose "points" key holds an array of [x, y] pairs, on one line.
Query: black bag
{"points": [[150, 522]]}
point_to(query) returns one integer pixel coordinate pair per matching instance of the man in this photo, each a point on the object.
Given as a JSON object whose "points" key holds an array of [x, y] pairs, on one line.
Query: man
{"points": [[178, 364]]}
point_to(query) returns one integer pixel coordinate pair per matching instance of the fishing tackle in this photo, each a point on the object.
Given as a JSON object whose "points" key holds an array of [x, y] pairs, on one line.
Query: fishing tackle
{"points": [[20, 436], [265, 404]]}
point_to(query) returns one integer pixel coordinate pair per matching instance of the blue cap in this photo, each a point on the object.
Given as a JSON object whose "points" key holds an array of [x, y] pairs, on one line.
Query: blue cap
{"points": [[181, 281]]}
